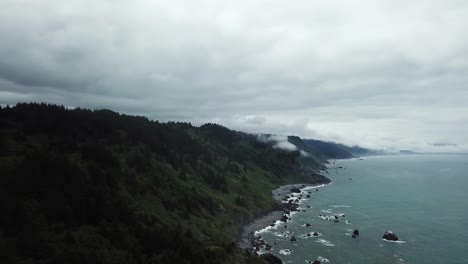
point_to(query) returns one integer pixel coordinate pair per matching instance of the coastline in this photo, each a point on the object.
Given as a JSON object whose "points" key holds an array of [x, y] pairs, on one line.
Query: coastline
{"points": [[287, 202]]}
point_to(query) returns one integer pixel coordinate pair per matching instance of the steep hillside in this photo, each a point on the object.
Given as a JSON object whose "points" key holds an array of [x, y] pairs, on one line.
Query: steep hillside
{"points": [[82, 186], [329, 150]]}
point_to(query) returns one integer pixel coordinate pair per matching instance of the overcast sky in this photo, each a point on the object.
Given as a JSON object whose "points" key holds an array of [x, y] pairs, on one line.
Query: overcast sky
{"points": [[381, 74]]}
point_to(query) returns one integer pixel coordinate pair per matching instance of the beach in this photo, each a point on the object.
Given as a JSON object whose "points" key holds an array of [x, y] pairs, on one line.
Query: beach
{"points": [[281, 194]]}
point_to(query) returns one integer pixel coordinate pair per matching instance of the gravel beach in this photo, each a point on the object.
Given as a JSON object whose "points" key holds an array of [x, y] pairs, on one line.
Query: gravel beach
{"points": [[279, 194]]}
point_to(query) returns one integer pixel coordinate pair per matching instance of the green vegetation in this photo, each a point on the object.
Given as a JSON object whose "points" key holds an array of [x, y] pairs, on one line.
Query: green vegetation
{"points": [[82, 186]]}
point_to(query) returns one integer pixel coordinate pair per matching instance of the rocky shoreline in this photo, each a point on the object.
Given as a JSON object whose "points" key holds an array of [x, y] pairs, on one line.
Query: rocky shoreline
{"points": [[287, 204]]}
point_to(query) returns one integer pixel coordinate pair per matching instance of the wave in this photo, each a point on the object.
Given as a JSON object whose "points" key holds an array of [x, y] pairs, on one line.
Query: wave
{"points": [[325, 242], [268, 228], [285, 251], [282, 234], [323, 259], [314, 187], [329, 217], [340, 206], [396, 242]]}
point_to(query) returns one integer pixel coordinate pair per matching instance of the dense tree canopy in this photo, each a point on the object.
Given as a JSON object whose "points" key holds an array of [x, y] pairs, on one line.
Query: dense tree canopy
{"points": [[83, 186]]}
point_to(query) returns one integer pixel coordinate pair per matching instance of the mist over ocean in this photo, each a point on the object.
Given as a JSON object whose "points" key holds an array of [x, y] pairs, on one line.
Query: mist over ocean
{"points": [[422, 198]]}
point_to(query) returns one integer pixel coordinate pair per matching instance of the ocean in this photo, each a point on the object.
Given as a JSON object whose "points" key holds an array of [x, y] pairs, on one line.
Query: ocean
{"points": [[423, 199]]}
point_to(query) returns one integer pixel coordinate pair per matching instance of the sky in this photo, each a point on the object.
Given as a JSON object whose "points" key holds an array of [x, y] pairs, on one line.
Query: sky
{"points": [[383, 74]]}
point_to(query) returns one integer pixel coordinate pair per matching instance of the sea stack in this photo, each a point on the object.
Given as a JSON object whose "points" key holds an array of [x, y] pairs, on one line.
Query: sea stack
{"points": [[355, 233], [389, 235]]}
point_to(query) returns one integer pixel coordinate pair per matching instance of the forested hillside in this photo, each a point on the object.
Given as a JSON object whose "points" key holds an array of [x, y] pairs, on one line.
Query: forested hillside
{"points": [[83, 186]]}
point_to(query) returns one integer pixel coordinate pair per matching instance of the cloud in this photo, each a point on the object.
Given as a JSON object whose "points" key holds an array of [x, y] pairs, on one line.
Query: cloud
{"points": [[379, 73], [279, 141]]}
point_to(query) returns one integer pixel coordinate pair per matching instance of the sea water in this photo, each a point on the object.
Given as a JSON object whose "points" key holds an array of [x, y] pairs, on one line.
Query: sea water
{"points": [[423, 199]]}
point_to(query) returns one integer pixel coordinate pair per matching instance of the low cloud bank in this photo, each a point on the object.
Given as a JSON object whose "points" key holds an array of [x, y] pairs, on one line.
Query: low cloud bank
{"points": [[280, 141]]}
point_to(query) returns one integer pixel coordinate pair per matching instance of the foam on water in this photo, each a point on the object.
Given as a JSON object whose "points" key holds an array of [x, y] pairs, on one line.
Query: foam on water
{"points": [[315, 187], [396, 242], [285, 251], [325, 242], [340, 206], [323, 259]]}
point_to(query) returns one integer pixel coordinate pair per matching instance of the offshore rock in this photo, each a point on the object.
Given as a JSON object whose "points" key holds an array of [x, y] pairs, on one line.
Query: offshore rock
{"points": [[271, 259], [389, 235], [355, 233]]}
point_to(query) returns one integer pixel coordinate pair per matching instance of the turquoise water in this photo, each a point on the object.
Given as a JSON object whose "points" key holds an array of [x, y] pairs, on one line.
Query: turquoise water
{"points": [[423, 199]]}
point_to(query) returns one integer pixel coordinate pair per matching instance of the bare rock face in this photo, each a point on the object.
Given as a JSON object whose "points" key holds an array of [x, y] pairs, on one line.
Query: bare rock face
{"points": [[389, 235], [271, 259], [295, 190]]}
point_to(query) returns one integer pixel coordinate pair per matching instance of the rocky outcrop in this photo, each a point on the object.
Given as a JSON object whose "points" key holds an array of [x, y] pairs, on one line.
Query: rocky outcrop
{"points": [[271, 259], [295, 190], [389, 235]]}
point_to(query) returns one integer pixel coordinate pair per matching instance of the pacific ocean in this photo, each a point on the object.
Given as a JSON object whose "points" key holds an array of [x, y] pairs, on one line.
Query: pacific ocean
{"points": [[423, 199]]}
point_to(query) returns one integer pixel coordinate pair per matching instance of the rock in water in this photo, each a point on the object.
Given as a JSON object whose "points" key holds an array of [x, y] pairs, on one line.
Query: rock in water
{"points": [[315, 234], [295, 190], [271, 259], [355, 233], [308, 225], [316, 262], [389, 235], [293, 239]]}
